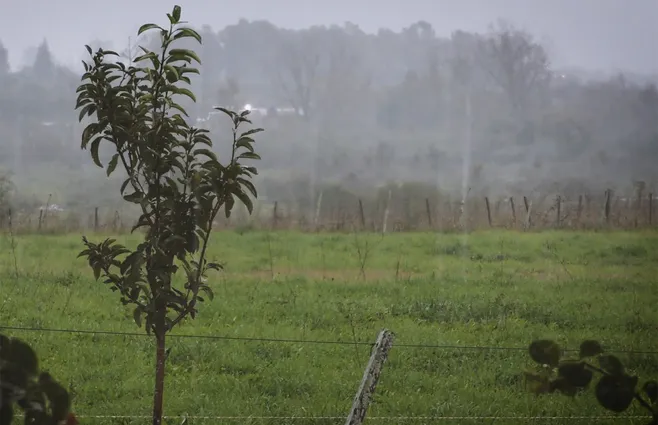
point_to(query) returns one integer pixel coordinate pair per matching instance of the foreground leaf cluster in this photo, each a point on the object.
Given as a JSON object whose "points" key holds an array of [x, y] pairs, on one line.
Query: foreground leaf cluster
{"points": [[43, 400], [615, 390]]}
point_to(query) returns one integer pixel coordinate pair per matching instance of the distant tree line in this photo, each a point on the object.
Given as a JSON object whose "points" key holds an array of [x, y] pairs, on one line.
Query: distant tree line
{"points": [[406, 105]]}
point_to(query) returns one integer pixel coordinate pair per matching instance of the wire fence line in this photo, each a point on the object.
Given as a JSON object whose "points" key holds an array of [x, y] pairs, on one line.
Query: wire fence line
{"points": [[371, 418], [388, 419], [298, 341]]}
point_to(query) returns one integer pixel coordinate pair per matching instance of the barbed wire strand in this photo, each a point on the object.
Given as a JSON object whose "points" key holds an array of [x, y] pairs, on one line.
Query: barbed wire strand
{"points": [[294, 341], [374, 418], [298, 341]]}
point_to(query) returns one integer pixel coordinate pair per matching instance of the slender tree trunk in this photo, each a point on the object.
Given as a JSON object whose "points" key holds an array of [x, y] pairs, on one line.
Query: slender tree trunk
{"points": [[158, 398]]}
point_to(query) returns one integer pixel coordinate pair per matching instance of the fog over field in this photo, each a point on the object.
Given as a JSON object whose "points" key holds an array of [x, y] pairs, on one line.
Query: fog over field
{"points": [[497, 96], [451, 200]]}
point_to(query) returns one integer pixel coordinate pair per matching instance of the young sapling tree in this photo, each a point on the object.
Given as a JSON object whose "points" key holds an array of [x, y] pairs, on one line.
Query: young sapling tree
{"points": [[172, 174]]}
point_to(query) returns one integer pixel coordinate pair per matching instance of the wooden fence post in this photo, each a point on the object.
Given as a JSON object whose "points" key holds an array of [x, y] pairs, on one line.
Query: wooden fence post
{"points": [[317, 212], [117, 218], [275, 216], [386, 212], [429, 212], [559, 211], [528, 212], [362, 215], [370, 377], [579, 211], [650, 208], [486, 202], [511, 202], [96, 219], [606, 206]]}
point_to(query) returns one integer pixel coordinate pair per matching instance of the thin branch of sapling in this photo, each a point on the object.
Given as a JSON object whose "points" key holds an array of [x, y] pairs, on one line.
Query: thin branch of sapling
{"points": [[293, 294], [322, 259], [551, 249], [347, 313], [45, 211], [397, 269], [12, 244], [501, 256], [363, 252], [271, 257], [397, 265], [68, 300]]}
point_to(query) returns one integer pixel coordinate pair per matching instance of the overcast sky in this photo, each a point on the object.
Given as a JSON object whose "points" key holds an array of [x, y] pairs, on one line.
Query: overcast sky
{"points": [[596, 34]]}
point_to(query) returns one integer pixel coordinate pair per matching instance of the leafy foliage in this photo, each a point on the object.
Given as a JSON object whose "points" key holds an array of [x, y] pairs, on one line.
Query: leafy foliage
{"points": [[43, 400], [172, 174], [616, 389]]}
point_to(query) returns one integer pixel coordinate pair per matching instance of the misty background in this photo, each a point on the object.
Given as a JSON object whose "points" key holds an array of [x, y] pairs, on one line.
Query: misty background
{"points": [[490, 97]]}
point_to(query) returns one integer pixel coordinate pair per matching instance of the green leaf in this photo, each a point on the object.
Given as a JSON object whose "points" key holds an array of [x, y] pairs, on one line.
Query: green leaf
{"points": [[112, 164], [214, 266], [228, 112], [545, 352], [137, 316], [590, 348], [250, 132], [207, 152], [245, 200], [185, 92], [650, 388], [245, 142], [249, 155], [616, 393], [184, 54], [21, 354], [147, 27], [135, 197], [206, 289], [97, 271], [176, 14], [187, 32], [88, 109], [611, 364], [575, 373], [94, 151], [228, 207]]}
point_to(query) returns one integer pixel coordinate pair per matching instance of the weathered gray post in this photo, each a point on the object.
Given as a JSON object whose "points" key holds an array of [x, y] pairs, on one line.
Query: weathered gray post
{"points": [[370, 377]]}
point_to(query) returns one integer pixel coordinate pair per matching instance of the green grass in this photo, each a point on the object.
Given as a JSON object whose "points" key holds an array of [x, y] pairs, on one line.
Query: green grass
{"points": [[490, 289]]}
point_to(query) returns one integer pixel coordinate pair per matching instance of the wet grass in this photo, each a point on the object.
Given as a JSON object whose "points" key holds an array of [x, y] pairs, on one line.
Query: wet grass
{"points": [[436, 292]]}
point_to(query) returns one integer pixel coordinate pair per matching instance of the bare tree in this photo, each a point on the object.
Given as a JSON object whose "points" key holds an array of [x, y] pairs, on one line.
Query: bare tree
{"points": [[296, 71], [4, 60], [516, 62], [228, 93], [345, 79]]}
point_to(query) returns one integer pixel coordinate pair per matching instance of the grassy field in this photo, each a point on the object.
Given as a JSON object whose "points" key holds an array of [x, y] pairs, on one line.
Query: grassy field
{"points": [[488, 289]]}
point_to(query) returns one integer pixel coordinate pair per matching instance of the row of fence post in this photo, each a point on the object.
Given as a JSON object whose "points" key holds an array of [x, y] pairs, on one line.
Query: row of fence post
{"points": [[527, 222]]}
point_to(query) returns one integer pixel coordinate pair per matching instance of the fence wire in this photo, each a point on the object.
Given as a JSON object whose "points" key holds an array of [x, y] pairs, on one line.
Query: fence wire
{"points": [[370, 418], [394, 419], [299, 341]]}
